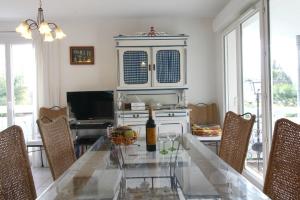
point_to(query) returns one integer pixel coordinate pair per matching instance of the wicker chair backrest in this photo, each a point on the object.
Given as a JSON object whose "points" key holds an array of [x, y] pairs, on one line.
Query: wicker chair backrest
{"points": [[56, 136], [235, 139], [16, 180], [283, 173], [48, 114]]}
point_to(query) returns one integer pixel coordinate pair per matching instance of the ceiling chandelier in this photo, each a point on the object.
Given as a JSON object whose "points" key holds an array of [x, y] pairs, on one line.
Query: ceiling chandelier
{"points": [[50, 30]]}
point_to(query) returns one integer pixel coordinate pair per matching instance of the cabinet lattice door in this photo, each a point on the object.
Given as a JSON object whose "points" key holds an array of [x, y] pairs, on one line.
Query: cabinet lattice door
{"points": [[168, 66], [135, 65]]}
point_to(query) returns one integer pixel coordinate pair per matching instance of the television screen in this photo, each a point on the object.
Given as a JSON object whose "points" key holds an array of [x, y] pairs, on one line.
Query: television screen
{"points": [[91, 105]]}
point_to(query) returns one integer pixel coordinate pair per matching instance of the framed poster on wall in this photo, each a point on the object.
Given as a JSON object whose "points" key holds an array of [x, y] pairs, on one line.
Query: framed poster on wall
{"points": [[82, 55]]}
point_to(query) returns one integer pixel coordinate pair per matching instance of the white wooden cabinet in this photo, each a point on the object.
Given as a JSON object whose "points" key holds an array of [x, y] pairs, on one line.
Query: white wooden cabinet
{"points": [[156, 62], [173, 121]]}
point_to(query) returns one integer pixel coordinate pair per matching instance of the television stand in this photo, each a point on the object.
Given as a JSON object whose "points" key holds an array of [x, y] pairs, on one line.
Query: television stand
{"points": [[87, 124], [87, 133]]}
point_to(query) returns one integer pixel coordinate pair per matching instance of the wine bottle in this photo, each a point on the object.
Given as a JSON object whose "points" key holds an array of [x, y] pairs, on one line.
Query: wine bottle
{"points": [[150, 133]]}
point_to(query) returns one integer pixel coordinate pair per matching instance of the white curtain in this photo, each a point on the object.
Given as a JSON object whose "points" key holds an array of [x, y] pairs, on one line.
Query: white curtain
{"points": [[48, 72], [47, 55]]}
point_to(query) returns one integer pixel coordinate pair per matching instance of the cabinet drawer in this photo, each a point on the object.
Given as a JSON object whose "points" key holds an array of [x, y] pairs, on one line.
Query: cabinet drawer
{"points": [[170, 114], [170, 128], [133, 116]]}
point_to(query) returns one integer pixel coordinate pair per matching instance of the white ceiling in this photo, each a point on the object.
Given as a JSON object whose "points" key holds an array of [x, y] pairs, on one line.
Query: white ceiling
{"points": [[68, 9]]}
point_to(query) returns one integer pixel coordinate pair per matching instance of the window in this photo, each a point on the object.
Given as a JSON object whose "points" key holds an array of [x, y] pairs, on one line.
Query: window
{"points": [[17, 86], [285, 59], [278, 78]]}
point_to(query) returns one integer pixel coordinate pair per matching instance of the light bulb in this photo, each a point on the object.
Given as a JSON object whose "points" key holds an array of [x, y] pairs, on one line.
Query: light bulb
{"points": [[23, 26], [44, 28], [27, 34], [59, 34], [48, 37]]}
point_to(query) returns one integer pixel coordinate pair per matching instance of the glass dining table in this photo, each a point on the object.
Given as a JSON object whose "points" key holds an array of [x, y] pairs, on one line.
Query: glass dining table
{"points": [[188, 171]]}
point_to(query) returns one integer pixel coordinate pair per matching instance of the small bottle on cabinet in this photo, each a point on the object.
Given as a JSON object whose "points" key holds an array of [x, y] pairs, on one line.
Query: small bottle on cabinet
{"points": [[150, 133]]}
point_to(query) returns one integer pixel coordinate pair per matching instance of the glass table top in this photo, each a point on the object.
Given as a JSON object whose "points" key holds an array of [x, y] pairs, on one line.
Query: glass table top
{"points": [[190, 171]]}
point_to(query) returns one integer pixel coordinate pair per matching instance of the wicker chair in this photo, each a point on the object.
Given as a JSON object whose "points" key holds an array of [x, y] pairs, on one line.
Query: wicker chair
{"points": [[16, 180], [58, 144], [283, 173], [49, 114], [235, 139]]}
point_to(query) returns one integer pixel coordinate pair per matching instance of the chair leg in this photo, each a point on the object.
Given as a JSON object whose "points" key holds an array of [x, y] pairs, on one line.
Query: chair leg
{"points": [[42, 156], [82, 149], [77, 150], [217, 148]]}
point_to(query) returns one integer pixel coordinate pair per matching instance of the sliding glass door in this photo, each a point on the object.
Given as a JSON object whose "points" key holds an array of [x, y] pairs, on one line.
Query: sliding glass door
{"points": [[267, 74], [243, 73], [251, 86], [17, 86]]}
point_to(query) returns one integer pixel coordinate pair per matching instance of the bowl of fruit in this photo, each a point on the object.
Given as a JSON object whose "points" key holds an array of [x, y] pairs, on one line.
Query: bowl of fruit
{"points": [[123, 135]]}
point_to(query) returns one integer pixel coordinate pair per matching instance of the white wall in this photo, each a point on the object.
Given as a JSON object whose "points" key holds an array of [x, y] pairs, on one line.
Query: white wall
{"points": [[103, 75]]}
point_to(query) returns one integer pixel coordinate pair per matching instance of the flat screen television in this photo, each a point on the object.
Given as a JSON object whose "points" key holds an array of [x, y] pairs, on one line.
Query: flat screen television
{"points": [[91, 105]]}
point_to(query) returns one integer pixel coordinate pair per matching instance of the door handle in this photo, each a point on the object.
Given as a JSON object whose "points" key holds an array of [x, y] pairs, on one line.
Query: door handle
{"points": [[153, 67], [149, 67]]}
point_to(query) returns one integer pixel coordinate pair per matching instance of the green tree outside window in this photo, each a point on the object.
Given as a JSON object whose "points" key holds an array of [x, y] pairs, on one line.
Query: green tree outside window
{"points": [[20, 91]]}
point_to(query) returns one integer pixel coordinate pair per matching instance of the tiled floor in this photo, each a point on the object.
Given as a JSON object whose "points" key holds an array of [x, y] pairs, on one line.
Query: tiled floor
{"points": [[42, 178], [255, 167]]}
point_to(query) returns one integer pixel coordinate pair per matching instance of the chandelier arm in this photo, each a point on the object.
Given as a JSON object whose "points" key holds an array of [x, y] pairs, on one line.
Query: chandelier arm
{"points": [[32, 24], [52, 25]]}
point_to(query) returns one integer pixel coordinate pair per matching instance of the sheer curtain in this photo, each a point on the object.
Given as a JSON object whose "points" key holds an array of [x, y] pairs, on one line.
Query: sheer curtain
{"points": [[48, 72], [47, 55]]}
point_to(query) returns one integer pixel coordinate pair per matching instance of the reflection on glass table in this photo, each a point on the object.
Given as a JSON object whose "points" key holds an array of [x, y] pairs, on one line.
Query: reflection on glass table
{"points": [[192, 171], [172, 137], [162, 140]]}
